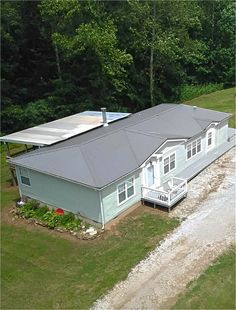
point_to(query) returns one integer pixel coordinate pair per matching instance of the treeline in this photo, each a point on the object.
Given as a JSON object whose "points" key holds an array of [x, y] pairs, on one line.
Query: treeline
{"points": [[65, 56]]}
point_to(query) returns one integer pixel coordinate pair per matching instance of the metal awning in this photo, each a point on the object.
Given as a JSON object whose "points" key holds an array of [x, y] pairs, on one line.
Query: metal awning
{"points": [[61, 129]]}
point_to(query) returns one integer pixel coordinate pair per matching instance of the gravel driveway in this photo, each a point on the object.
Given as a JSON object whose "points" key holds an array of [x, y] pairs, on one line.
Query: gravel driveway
{"points": [[207, 230]]}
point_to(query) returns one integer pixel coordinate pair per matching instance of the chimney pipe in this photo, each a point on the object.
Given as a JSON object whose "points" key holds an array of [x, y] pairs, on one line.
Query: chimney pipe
{"points": [[104, 117]]}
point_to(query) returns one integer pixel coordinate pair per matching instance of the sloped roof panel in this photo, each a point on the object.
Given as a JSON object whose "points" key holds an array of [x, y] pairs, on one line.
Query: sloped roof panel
{"points": [[106, 154]]}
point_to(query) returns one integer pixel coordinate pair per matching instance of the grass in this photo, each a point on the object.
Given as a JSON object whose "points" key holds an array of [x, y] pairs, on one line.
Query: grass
{"points": [[40, 270], [214, 289], [188, 92], [8, 192], [223, 100], [44, 271]]}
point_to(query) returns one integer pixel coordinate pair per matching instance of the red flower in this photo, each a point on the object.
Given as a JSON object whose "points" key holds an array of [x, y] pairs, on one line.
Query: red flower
{"points": [[60, 211]]}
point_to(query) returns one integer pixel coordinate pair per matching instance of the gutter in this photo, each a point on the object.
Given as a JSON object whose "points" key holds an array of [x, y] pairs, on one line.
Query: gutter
{"points": [[102, 210]]}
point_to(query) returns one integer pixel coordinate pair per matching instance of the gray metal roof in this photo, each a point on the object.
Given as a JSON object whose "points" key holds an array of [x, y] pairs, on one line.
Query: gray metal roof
{"points": [[61, 129], [101, 156]]}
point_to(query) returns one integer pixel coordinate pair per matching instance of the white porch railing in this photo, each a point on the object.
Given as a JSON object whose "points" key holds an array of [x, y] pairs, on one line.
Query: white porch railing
{"points": [[167, 194]]}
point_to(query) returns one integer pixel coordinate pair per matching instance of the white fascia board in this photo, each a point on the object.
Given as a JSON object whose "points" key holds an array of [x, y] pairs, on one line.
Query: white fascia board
{"points": [[20, 142], [163, 144]]}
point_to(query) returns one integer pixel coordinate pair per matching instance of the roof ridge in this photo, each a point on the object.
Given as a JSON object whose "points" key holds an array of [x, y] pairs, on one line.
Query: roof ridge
{"points": [[120, 129], [151, 134], [34, 153], [125, 132], [88, 167], [211, 110]]}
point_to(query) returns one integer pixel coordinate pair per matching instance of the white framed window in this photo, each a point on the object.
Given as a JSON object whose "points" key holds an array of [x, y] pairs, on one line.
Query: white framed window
{"points": [[194, 148], [210, 138], [24, 177], [169, 163], [125, 190]]}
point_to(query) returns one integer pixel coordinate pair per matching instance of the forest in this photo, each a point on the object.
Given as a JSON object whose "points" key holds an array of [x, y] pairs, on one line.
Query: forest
{"points": [[61, 57]]}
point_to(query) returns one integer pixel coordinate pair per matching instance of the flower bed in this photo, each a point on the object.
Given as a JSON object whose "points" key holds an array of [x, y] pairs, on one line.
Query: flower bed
{"points": [[55, 219]]}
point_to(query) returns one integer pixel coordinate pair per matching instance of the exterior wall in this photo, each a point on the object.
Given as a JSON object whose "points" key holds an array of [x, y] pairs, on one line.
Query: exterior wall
{"points": [[110, 197], [222, 132], [221, 135], [62, 194]]}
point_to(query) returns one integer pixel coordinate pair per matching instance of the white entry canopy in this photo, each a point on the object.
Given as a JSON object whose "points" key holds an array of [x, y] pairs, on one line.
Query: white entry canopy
{"points": [[61, 129]]}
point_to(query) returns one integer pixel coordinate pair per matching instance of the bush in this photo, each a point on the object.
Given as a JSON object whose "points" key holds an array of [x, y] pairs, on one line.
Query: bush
{"points": [[67, 218], [52, 219], [32, 205], [188, 92], [28, 209], [41, 211], [32, 210]]}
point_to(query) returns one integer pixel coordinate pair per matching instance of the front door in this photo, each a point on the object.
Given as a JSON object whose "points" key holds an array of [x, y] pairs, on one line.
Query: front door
{"points": [[150, 179]]}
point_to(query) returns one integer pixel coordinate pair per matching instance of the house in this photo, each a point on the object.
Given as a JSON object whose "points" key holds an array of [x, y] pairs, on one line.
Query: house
{"points": [[147, 156]]}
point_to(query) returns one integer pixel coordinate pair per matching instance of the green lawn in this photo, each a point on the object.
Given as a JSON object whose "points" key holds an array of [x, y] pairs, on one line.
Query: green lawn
{"points": [[8, 192], [223, 100], [214, 289], [44, 271]]}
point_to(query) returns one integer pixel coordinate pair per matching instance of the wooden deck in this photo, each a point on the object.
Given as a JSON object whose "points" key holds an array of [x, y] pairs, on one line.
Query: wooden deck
{"points": [[166, 195]]}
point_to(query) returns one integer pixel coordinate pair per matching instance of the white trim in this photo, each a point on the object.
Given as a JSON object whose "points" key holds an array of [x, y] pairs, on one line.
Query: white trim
{"points": [[174, 153], [126, 190], [160, 155], [24, 176], [18, 178], [102, 210], [190, 143], [213, 137], [212, 124]]}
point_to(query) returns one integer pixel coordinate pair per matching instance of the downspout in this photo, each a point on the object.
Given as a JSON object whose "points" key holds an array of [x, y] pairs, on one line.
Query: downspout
{"points": [[102, 210]]}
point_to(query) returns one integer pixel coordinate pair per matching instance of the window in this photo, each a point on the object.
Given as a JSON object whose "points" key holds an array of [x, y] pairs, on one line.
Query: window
{"points": [[199, 145], [194, 148], [189, 151], [209, 138], [125, 190], [24, 176], [169, 163]]}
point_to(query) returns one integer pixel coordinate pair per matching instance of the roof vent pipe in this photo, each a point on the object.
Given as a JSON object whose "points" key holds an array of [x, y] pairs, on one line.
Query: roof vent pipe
{"points": [[104, 117]]}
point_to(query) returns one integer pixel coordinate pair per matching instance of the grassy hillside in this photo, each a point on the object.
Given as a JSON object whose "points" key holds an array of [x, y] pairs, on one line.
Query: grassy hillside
{"points": [[214, 289], [223, 100]]}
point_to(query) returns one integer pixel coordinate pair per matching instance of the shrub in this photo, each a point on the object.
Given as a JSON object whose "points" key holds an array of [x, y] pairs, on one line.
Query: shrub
{"points": [[75, 225], [32, 204], [41, 211], [28, 209], [32, 210], [67, 218], [52, 219], [188, 92]]}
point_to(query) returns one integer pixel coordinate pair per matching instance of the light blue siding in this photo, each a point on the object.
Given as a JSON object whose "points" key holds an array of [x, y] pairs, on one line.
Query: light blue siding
{"points": [[62, 194], [222, 132], [110, 197]]}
